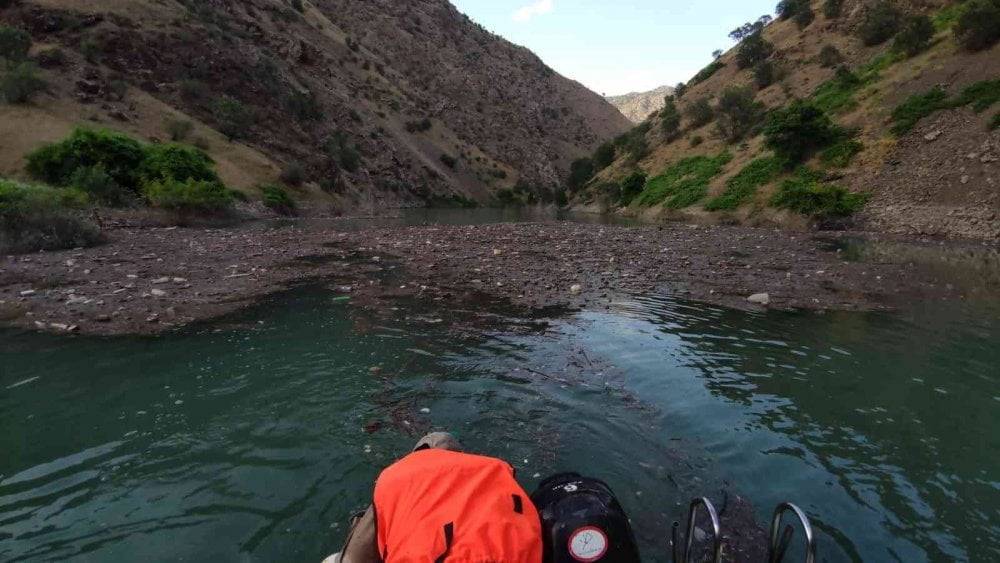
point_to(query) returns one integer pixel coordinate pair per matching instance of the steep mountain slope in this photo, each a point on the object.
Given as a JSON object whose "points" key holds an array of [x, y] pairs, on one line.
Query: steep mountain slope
{"points": [[383, 102], [637, 106], [940, 177]]}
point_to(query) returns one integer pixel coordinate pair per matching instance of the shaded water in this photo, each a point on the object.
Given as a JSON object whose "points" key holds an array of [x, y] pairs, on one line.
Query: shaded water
{"points": [[247, 439]]}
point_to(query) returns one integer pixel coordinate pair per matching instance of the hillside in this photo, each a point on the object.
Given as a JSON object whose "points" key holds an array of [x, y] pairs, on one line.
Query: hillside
{"points": [[637, 106], [911, 147], [362, 104]]}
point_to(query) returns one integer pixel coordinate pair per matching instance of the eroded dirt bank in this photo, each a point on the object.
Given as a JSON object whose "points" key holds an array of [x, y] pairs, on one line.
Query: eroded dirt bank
{"points": [[145, 281]]}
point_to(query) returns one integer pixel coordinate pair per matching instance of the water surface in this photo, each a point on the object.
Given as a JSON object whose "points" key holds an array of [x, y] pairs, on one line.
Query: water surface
{"points": [[254, 437]]}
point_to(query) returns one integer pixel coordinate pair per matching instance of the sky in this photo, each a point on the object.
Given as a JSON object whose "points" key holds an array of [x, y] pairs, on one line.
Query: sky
{"points": [[619, 46]]}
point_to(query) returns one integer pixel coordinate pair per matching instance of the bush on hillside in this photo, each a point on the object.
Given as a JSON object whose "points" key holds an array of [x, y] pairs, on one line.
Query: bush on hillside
{"points": [[795, 131], [51, 57], [294, 174], [670, 118], [829, 56], [808, 195], [700, 112], [840, 154], [120, 155], [978, 26], [880, 24], [738, 113], [917, 107], [14, 44], [303, 106], [804, 16], [277, 199], [787, 9], [580, 172], [679, 90], [20, 84], [233, 117], [684, 183], [631, 187], [188, 196], [994, 123], [752, 50], [448, 160], [763, 74], [604, 156], [915, 35], [36, 218], [172, 161], [706, 73], [833, 8], [100, 186], [178, 129], [744, 184]]}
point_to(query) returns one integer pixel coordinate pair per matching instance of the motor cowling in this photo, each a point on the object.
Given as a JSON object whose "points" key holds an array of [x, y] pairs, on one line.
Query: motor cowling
{"points": [[583, 522]]}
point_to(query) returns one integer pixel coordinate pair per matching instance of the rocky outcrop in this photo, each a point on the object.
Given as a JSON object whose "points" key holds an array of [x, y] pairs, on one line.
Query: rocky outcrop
{"points": [[637, 106]]}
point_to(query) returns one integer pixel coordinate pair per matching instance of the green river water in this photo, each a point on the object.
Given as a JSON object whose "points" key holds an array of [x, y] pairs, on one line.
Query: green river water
{"points": [[250, 438]]}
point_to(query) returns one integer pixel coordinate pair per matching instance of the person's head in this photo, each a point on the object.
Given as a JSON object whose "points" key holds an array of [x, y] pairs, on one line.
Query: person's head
{"points": [[582, 521]]}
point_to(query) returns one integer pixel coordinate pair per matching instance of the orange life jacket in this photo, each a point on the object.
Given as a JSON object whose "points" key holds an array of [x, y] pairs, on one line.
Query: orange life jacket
{"points": [[438, 505]]}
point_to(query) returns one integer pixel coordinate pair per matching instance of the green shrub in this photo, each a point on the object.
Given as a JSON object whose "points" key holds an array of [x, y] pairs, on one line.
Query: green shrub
{"points": [[744, 184], [804, 16], [303, 106], [14, 44], [994, 122], [189, 196], [752, 50], [683, 184], [788, 9], [795, 131], [981, 95], [120, 155], [604, 156], [700, 112], [670, 118], [294, 174], [581, 172], [631, 187], [738, 113], [915, 35], [194, 90], [763, 74], [703, 75], [91, 50], [833, 8], [233, 117], [917, 107], [36, 218], [339, 149], [449, 160], [424, 124], [880, 24], [172, 161], [277, 199], [837, 94], [840, 154], [829, 56], [102, 188], [680, 89], [696, 140], [20, 84], [51, 57], [978, 25], [178, 129], [806, 194]]}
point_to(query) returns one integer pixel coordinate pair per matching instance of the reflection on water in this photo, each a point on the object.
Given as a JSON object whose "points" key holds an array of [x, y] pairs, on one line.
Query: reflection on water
{"points": [[248, 439]]}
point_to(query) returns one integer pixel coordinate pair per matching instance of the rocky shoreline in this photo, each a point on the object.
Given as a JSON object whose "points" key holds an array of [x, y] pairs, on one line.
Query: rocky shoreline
{"points": [[150, 280]]}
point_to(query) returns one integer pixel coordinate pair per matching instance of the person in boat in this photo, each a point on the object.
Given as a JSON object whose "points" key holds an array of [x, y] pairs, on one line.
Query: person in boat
{"points": [[439, 503]]}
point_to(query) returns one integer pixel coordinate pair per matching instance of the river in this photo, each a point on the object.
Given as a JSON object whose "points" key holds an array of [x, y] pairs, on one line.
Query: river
{"points": [[254, 437]]}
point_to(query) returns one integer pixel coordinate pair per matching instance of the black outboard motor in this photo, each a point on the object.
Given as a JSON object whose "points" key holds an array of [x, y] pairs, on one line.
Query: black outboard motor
{"points": [[582, 521]]}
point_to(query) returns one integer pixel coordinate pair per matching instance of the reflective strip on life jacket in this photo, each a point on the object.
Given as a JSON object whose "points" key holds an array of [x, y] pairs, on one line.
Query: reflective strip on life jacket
{"points": [[437, 505]]}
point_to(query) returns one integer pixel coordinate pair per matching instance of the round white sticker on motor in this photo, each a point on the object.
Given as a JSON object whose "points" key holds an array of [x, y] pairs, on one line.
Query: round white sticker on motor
{"points": [[588, 544]]}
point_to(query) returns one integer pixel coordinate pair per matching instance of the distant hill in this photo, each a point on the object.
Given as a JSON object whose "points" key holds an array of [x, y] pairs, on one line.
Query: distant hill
{"points": [[912, 88], [637, 106], [382, 102]]}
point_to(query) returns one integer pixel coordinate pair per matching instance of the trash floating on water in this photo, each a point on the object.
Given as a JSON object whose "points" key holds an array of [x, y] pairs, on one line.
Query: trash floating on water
{"points": [[25, 382]]}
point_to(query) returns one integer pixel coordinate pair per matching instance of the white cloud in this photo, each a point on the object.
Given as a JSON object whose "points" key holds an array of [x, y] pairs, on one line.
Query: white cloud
{"points": [[537, 9]]}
